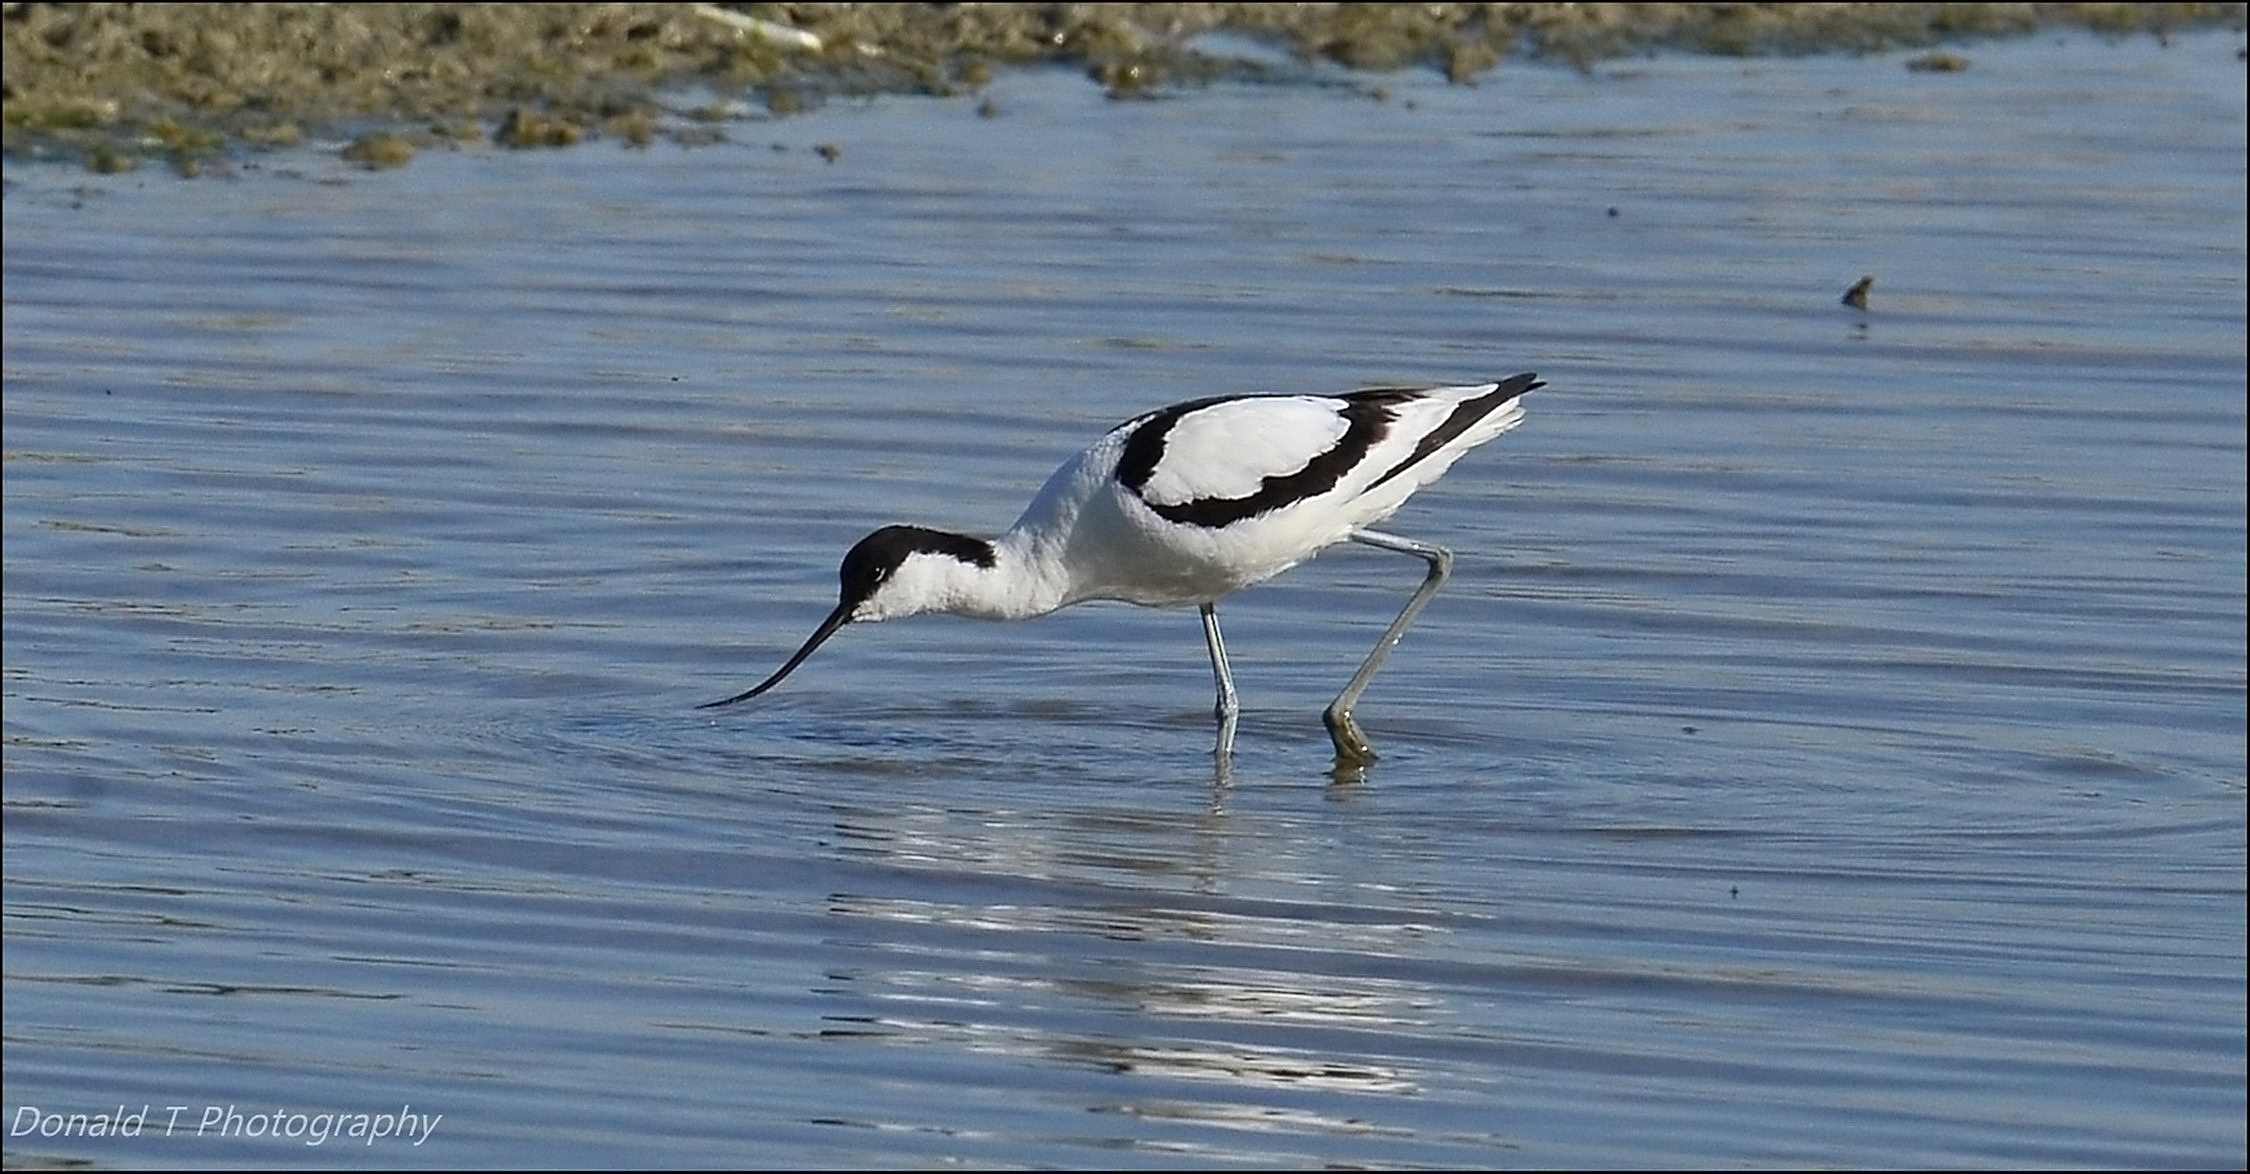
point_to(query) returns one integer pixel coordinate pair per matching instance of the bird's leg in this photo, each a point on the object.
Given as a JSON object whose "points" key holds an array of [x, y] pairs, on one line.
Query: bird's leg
{"points": [[1228, 707], [1351, 744]]}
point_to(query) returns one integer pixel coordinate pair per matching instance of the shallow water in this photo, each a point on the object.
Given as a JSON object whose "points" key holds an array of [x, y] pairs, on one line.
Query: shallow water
{"points": [[1829, 751]]}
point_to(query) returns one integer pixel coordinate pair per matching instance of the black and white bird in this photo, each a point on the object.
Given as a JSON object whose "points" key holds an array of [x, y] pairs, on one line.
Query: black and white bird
{"points": [[1187, 504]]}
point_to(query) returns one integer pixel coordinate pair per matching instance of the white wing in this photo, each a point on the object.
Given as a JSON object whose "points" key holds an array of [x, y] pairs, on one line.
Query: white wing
{"points": [[1228, 449], [1213, 463]]}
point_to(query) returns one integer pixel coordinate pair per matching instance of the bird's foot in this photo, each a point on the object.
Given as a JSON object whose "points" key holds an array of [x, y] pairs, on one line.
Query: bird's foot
{"points": [[1352, 747]]}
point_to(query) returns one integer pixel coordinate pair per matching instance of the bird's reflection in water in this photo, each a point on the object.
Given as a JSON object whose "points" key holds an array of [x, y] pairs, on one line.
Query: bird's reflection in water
{"points": [[1112, 939]]}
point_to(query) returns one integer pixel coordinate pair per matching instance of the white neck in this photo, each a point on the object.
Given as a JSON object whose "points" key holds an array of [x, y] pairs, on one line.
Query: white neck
{"points": [[1018, 585]]}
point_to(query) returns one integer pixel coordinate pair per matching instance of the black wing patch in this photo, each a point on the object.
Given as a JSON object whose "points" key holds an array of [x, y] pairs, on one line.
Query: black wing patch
{"points": [[1367, 418], [1145, 446], [1465, 415]]}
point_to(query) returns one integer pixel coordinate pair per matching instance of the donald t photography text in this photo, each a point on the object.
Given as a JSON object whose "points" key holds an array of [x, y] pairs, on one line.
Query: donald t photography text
{"points": [[197, 1121]]}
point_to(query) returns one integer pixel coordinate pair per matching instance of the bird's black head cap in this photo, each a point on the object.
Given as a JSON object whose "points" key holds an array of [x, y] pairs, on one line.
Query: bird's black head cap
{"points": [[874, 559]]}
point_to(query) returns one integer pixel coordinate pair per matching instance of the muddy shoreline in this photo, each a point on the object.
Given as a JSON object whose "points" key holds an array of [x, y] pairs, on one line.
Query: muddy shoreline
{"points": [[119, 86]]}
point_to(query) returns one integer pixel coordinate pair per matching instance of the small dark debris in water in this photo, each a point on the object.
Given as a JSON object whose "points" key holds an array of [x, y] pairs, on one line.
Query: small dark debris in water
{"points": [[1466, 59], [988, 109], [636, 127], [186, 141], [1856, 296], [1938, 63], [1689, 730], [829, 151], [1379, 93], [106, 159], [523, 128], [377, 152], [778, 148], [1613, 211], [1126, 79], [1734, 891], [278, 134]]}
